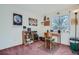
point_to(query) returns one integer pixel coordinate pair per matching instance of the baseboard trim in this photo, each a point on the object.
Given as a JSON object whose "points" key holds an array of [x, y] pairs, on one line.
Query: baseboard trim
{"points": [[62, 44], [11, 47]]}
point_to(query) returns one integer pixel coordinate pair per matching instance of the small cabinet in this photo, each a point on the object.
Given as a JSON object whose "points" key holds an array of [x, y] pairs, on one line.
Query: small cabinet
{"points": [[29, 37]]}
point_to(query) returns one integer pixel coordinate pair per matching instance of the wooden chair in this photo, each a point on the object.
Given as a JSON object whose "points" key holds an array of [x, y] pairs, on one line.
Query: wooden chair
{"points": [[49, 41]]}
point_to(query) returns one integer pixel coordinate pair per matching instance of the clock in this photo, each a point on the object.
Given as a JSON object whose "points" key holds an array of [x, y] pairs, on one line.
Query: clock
{"points": [[17, 19]]}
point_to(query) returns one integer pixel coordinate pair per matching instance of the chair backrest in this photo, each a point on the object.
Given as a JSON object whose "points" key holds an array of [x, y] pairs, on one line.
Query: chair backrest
{"points": [[47, 34]]}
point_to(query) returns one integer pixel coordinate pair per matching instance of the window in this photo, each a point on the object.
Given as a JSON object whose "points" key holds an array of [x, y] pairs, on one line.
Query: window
{"points": [[60, 22]]}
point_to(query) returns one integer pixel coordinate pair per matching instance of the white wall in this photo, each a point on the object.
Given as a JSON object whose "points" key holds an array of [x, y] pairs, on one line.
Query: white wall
{"points": [[11, 35]]}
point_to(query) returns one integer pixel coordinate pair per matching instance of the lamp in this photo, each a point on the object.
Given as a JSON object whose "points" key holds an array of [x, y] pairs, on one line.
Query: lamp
{"points": [[75, 45], [76, 22]]}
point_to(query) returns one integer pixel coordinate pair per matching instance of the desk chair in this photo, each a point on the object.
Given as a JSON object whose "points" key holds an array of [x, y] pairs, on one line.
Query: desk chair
{"points": [[49, 40]]}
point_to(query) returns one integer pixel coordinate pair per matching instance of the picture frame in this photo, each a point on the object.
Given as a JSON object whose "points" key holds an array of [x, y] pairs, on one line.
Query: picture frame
{"points": [[32, 22], [17, 19]]}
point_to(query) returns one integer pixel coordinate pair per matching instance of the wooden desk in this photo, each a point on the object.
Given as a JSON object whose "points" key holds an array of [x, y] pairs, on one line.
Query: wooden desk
{"points": [[55, 34], [50, 34]]}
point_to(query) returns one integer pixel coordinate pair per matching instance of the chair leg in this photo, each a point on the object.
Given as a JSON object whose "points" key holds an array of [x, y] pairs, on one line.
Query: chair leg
{"points": [[50, 46], [45, 43]]}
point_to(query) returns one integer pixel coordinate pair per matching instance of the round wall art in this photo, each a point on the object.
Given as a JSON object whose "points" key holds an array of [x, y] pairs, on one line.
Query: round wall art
{"points": [[17, 19]]}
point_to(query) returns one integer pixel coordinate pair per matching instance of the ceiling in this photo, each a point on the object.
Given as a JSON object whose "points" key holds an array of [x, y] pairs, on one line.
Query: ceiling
{"points": [[49, 8], [41, 9]]}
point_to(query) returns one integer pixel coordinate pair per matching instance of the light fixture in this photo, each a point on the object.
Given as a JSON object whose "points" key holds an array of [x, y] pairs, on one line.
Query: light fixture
{"points": [[76, 10]]}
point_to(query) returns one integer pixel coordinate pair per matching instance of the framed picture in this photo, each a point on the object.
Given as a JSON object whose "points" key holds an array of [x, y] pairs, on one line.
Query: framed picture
{"points": [[17, 19], [32, 22]]}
